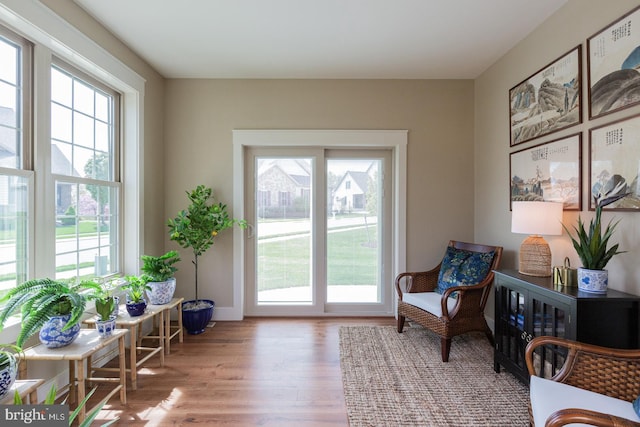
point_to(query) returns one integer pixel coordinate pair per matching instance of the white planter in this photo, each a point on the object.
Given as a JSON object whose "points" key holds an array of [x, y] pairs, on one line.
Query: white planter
{"points": [[161, 292], [594, 281]]}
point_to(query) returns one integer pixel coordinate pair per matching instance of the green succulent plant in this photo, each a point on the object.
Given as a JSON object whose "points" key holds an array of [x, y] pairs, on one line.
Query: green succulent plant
{"points": [[135, 287], [40, 299], [591, 245]]}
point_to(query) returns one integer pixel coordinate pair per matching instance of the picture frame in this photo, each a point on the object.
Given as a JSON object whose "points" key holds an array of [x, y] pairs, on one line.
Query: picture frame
{"points": [[612, 61], [548, 101], [614, 156], [549, 172]]}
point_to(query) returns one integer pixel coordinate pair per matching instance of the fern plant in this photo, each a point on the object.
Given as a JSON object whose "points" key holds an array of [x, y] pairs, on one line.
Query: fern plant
{"points": [[40, 299]]}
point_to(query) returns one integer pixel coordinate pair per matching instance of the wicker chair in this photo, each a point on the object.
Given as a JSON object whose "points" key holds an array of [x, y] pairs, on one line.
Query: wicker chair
{"points": [[457, 316], [606, 371]]}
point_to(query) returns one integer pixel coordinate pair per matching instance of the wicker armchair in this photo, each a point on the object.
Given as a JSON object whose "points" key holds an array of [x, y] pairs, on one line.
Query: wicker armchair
{"points": [[606, 371], [454, 316]]}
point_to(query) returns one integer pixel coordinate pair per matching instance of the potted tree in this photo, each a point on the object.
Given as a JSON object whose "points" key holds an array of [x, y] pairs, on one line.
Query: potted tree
{"points": [[158, 272], [8, 367], [196, 227], [135, 287], [52, 306], [591, 245]]}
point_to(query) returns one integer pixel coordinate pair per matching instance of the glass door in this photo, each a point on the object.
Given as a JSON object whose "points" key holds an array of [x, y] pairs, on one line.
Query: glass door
{"points": [[319, 232]]}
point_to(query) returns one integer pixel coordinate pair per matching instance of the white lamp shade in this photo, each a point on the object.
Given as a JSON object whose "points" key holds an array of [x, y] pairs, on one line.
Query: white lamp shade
{"points": [[537, 218]]}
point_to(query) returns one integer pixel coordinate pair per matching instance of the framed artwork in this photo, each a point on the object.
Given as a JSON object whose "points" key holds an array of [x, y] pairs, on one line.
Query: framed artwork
{"points": [[548, 172], [614, 162], [547, 101], [613, 60]]}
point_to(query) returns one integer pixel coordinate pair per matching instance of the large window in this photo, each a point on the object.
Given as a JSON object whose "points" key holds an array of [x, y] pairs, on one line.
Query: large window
{"points": [[67, 223], [83, 162], [15, 180]]}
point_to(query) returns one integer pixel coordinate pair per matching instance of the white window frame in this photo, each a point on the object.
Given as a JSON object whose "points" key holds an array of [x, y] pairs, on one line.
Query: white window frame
{"points": [[53, 36]]}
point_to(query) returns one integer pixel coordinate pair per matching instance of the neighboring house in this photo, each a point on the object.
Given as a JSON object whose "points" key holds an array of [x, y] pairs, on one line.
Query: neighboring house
{"points": [[350, 195], [283, 188]]}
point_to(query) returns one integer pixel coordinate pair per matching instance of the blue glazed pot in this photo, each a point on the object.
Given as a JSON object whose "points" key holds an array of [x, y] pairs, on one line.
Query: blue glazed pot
{"points": [[8, 377], [136, 308], [52, 335], [105, 327], [195, 320]]}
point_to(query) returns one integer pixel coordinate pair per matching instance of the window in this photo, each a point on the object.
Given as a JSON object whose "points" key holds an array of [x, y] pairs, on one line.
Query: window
{"points": [[83, 162], [76, 201], [15, 182]]}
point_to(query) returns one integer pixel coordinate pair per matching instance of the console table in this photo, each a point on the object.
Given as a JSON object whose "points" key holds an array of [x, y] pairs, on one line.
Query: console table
{"points": [[528, 306], [79, 351], [25, 388]]}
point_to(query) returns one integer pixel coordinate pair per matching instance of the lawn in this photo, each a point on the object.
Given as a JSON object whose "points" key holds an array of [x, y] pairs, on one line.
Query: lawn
{"points": [[351, 254]]}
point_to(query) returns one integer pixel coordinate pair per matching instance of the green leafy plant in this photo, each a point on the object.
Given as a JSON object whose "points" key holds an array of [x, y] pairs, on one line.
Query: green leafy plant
{"points": [[8, 356], [135, 287], [50, 399], [160, 268], [105, 306], [40, 299], [197, 226], [591, 245]]}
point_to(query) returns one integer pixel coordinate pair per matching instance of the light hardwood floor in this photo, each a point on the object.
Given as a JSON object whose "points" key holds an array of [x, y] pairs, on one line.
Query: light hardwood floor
{"points": [[258, 372]]}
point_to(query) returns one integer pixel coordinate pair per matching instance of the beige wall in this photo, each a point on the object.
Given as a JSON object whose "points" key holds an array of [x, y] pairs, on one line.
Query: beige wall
{"points": [[153, 192], [569, 27], [201, 114]]}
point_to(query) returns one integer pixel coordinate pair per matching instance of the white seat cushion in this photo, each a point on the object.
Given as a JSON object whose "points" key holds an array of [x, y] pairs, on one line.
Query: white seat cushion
{"points": [[549, 396], [428, 301]]}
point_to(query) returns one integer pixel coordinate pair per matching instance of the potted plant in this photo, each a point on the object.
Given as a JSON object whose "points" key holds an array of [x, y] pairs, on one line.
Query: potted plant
{"points": [[8, 367], [106, 322], [135, 287], [196, 227], [158, 272], [591, 245], [52, 306]]}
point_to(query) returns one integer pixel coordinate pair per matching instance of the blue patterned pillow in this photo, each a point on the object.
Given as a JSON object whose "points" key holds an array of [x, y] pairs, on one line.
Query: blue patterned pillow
{"points": [[636, 406], [463, 268]]}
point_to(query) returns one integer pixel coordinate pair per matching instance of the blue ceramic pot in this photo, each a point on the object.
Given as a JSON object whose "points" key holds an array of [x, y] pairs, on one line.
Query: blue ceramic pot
{"points": [[136, 308], [195, 320], [105, 327], [52, 335], [8, 376], [161, 292]]}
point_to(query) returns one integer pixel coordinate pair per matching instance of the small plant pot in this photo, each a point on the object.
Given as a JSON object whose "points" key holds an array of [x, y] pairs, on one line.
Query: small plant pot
{"points": [[116, 307], [8, 376], [593, 281], [161, 292], [196, 315], [52, 334], [136, 308], [105, 327]]}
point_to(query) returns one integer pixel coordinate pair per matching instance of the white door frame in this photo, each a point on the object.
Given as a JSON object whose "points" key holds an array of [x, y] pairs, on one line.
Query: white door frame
{"points": [[396, 140]]}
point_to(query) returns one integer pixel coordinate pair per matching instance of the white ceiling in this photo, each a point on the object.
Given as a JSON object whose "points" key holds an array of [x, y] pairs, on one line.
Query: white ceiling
{"points": [[351, 39]]}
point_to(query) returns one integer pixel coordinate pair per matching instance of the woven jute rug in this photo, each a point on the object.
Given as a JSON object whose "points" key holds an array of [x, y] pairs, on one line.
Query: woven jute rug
{"points": [[393, 379]]}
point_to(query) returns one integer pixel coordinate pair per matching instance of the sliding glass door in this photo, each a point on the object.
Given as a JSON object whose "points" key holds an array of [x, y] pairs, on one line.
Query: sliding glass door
{"points": [[319, 228]]}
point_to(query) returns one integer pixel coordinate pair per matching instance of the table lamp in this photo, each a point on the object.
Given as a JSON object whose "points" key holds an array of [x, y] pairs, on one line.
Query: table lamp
{"points": [[536, 219]]}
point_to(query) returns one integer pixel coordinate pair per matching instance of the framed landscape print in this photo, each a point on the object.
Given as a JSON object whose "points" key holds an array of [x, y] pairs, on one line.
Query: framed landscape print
{"points": [[614, 162], [613, 62], [548, 101], [548, 172]]}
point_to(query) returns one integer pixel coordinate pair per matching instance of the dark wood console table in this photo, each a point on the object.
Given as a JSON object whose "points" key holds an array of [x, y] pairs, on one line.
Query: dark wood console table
{"points": [[527, 306]]}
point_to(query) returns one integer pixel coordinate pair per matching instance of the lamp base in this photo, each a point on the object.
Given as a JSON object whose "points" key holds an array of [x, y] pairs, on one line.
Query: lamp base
{"points": [[535, 257]]}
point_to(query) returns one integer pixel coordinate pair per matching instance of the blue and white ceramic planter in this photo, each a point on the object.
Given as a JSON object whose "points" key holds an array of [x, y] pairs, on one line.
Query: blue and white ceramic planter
{"points": [[8, 376], [136, 308], [594, 281], [161, 292], [105, 327], [52, 335]]}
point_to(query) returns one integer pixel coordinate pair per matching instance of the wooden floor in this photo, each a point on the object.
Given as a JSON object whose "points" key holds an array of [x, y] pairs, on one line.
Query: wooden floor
{"points": [[258, 372]]}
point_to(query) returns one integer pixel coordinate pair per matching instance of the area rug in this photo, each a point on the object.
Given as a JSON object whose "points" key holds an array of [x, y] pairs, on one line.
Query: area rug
{"points": [[393, 379]]}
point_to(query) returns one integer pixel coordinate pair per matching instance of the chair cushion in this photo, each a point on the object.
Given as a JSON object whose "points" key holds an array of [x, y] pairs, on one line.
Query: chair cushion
{"points": [[428, 301], [462, 268], [549, 396]]}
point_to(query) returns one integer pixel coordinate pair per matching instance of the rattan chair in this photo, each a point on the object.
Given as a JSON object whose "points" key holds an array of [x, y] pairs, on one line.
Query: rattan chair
{"points": [[456, 317], [611, 372]]}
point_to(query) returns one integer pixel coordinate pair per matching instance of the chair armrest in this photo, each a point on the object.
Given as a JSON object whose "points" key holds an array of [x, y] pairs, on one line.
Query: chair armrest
{"points": [[421, 281], [585, 416], [470, 298]]}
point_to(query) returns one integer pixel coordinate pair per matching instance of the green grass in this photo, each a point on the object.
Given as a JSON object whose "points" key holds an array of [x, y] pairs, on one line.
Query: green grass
{"points": [[285, 263]]}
